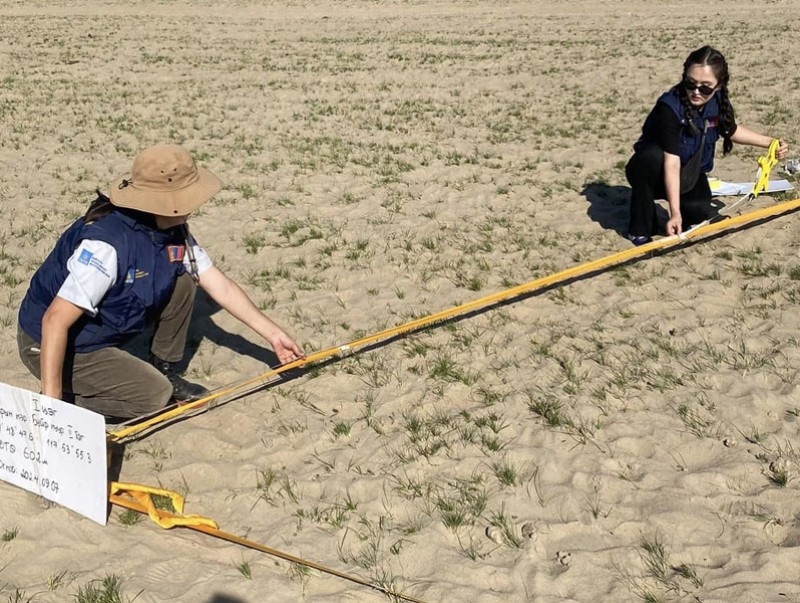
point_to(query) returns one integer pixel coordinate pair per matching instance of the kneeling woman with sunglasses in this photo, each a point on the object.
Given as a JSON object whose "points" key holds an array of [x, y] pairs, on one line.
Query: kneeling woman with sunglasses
{"points": [[676, 148]]}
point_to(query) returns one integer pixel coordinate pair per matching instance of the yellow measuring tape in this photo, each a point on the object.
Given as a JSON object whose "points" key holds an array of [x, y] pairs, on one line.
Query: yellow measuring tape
{"points": [[127, 432]]}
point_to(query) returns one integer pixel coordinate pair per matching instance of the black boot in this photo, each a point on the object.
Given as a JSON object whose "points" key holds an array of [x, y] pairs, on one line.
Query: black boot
{"points": [[182, 390]]}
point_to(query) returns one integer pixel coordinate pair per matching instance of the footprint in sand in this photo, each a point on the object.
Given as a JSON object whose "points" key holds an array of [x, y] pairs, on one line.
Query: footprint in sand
{"points": [[494, 533], [564, 558], [528, 530], [172, 571]]}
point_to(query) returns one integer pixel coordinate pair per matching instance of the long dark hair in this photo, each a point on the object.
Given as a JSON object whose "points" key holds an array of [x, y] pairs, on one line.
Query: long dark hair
{"points": [[102, 206], [712, 58], [99, 208]]}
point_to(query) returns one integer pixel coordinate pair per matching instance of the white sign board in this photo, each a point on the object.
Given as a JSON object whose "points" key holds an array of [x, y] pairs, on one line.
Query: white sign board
{"points": [[54, 449]]}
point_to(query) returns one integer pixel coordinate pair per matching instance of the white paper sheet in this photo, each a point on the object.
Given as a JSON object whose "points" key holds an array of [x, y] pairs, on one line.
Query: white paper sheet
{"points": [[720, 188], [54, 449]]}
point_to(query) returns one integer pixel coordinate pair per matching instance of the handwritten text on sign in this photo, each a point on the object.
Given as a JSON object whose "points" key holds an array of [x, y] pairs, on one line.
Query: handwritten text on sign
{"points": [[54, 449]]}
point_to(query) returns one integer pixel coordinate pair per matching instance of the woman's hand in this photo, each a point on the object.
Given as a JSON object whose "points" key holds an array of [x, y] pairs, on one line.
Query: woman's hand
{"points": [[232, 297], [674, 225], [783, 149], [285, 347]]}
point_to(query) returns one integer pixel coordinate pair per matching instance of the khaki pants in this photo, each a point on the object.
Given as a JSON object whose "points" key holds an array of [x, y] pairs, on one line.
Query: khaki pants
{"points": [[115, 383]]}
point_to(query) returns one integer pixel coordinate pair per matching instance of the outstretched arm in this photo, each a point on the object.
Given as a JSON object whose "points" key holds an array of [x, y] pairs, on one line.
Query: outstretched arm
{"points": [[232, 298], [57, 320], [672, 185], [746, 136]]}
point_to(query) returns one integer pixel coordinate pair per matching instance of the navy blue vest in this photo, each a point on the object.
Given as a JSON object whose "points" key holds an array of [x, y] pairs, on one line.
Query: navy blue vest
{"points": [[690, 140], [147, 269]]}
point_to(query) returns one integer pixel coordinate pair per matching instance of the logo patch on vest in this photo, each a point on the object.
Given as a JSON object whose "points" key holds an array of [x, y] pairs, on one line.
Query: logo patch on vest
{"points": [[87, 258], [712, 122], [176, 253], [134, 274]]}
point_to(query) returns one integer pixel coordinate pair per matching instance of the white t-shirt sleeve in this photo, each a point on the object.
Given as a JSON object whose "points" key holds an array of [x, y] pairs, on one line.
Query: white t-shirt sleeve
{"points": [[92, 272], [201, 258]]}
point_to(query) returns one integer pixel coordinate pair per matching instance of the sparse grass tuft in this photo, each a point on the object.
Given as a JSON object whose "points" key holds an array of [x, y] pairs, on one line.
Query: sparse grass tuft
{"points": [[129, 517], [10, 534], [244, 569], [105, 590]]}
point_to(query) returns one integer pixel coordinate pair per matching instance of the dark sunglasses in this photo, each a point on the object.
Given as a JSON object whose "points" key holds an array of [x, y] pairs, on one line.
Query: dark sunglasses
{"points": [[701, 88]]}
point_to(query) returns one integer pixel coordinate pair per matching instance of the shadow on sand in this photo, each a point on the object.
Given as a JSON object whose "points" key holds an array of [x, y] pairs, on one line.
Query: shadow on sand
{"points": [[608, 206], [203, 327]]}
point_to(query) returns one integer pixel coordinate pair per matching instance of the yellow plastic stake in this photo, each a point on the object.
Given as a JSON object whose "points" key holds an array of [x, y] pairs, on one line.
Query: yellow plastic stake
{"points": [[765, 165], [165, 519]]}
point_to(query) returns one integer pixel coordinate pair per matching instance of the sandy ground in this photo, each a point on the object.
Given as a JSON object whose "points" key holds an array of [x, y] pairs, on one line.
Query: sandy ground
{"points": [[384, 161]]}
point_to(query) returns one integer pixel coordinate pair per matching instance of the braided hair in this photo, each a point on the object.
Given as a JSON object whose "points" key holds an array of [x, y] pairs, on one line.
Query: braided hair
{"points": [[712, 58]]}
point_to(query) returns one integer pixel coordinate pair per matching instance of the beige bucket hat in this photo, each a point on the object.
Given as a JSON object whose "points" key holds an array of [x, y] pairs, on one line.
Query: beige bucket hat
{"points": [[165, 181]]}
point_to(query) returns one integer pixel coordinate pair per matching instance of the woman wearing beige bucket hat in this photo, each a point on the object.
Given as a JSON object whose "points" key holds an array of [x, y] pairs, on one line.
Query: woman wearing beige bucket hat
{"points": [[128, 263]]}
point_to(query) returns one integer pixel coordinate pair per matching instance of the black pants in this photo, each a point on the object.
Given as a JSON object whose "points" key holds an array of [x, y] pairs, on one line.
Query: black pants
{"points": [[645, 174]]}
